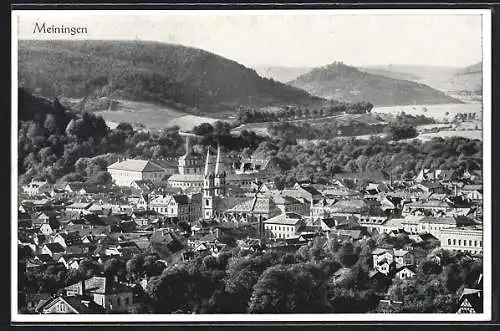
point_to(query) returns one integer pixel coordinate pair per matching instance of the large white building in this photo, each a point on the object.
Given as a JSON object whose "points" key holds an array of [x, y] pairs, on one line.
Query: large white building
{"points": [[283, 226], [127, 171], [465, 239]]}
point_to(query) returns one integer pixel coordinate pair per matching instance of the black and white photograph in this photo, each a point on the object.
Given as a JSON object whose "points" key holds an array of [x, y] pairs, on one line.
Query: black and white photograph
{"points": [[251, 165]]}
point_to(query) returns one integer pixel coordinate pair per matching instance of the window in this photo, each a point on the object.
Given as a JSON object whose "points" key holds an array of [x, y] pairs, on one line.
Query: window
{"points": [[207, 202], [470, 242], [449, 241], [459, 242], [454, 241], [475, 243], [481, 244]]}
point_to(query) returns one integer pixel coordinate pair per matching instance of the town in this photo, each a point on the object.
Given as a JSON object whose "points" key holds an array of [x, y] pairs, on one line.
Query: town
{"points": [[128, 247]]}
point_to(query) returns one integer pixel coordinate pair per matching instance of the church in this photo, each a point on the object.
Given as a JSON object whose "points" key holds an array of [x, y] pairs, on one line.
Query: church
{"points": [[214, 184], [191, 171]]}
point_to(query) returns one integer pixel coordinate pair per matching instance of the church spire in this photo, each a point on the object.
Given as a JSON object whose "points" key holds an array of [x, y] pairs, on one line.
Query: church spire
{"points": [[219, 165], [207, 163]]}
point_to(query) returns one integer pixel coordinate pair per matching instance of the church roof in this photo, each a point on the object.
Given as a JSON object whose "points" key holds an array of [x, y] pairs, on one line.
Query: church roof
{"points": [[186, 178], [256, 205]]}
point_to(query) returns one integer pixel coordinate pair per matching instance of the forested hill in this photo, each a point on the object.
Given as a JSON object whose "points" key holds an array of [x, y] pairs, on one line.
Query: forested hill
{"points": [[346, 83], [185, 77]]}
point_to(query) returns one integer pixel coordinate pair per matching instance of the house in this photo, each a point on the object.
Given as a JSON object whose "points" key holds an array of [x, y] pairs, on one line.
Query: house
{"points": [[144, 186], [368, 176], [430, 207], [247, 210], [70, 305], [433, 225], [381, 224], [111, 295], [140, 201], [52, 248], [285, 225], [327, 224], [405, 272], [470, 302], [46, 229], [183, 207], [380, 254], [385, 267], [35, 300], [82, 207], [45, 217], [37, 188], [250, 244], [404, 257], [305, 191], [291, 204], [349, 234], [125, 172], [472, 192], [473, 175], [167, 244], [433, 175]]}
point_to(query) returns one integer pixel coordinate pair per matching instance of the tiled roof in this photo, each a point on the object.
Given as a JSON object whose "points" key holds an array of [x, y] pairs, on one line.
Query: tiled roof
{"points": [[136, 165], [181, 199], [439, 220], [285, 219], [261, 205], [101, 285], [195, 178], [55, 247]]}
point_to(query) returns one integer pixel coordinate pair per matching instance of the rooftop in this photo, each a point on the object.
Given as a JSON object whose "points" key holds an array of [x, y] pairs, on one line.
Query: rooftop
{"points": [[285, 219], [136, 165]]}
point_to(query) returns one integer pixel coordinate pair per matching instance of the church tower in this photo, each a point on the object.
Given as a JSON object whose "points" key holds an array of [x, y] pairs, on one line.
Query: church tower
{"points": [[208, 189], [220, 175]]}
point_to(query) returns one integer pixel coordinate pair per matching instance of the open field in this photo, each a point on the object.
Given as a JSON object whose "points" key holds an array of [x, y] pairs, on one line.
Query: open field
{"points": [[471, 134], [437, 112], [340, 119], [150, 115]]}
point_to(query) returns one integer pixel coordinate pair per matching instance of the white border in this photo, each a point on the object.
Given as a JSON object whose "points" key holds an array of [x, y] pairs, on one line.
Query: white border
{"points": [[238, 318]]}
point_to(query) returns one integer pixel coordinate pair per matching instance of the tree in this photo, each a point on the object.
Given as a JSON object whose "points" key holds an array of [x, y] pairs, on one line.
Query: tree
{"points": [[114, 268], [203, 129], [397, 132], [126, 127], [283, 289]]}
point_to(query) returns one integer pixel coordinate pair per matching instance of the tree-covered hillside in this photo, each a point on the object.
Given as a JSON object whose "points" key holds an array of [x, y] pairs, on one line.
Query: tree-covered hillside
{"points": [[346, 83], [185, 77]]}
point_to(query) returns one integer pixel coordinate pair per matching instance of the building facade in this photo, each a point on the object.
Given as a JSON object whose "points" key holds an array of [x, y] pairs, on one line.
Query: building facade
{"points": [[464, 239], [124, 173]]}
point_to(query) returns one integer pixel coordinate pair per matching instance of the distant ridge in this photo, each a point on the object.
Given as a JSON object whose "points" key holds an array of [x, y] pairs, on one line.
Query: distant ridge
{"points": [[347, 83]]}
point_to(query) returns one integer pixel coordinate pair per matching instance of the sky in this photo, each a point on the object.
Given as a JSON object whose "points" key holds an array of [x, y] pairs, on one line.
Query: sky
{"points": [[288, 38]]}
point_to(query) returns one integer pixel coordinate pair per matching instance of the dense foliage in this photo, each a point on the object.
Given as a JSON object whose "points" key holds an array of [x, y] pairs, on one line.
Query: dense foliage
{"points": [[303, 280], [319, 161], [248, 115], [55, 143]]}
